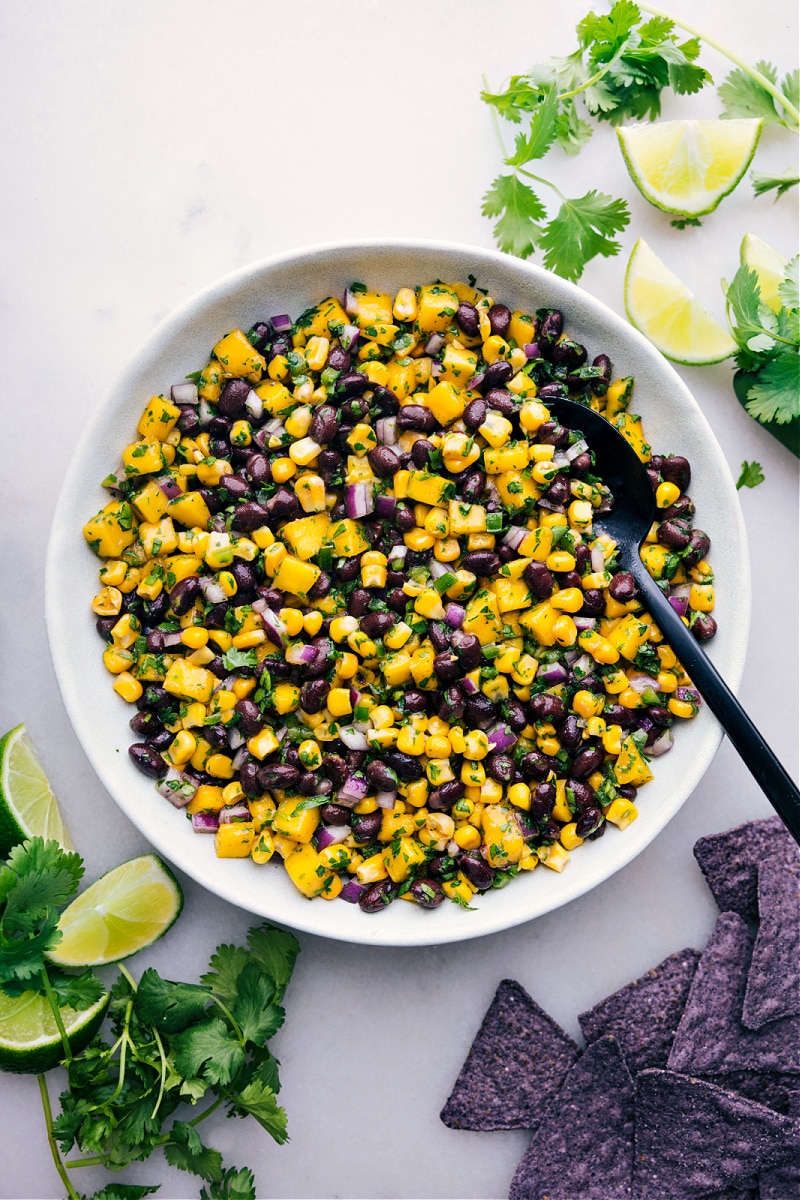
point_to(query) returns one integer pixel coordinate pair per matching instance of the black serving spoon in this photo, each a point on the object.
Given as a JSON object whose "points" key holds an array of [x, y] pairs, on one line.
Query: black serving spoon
{"points": [[628, 524]]}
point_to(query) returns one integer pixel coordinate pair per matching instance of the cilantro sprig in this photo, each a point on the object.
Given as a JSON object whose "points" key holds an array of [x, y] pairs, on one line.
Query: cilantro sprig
{"points": [[767, 382], [624, 61], [174, 1048]]}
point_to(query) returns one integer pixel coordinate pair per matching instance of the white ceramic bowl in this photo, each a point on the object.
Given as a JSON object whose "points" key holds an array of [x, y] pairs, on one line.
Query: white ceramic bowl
{"points": [[181, 344]]}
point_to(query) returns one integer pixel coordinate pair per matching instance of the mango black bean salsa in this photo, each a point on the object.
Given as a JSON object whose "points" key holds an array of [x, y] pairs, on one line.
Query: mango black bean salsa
{"points": [[351, 584]]}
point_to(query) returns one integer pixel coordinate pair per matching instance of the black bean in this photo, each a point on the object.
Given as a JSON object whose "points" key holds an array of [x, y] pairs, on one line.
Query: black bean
{"points": [[321, 586], [283, 504], [622, 587], [593, 602], [479, 711], [415, 417], [334, 766], [699, 546], [586, 761], [683, 507], [338, 359], [366, 826], [467, 318], [547, 707], [570, 354], [440, 636], [499, 319], [676, 469], [405, 766], [324, 425], [155, 611], [481, 562], [329, 463], [617, 714], [397, 600], [501, 401], [467, 647], [232, 397], [452, 704], [184, 594], [446, 667], [604, 362], [384, 461], [500, 767], [582, 464], [496, 375], [245, 576], [145, 724], [250, 720], [443, 798], [588, 822], [217, 735], [358, 604], [539, 579], [550, 330], [155, 642], [377, 624], [312, 695], [335, 814], [627, 791], [558, 492], [441, 866], [675, 533], [428, 893], [476, 869], [569, 734], [415, 701], [551, 433], [148, 760], [550, 832], [376, 897], [307, 784], [384, 401], [381, 776], [248, 778], [277, 775], [475, 413], [189, 420], [472, 486], [250, 516], [514, 713], [353, 383], [704, 627]]}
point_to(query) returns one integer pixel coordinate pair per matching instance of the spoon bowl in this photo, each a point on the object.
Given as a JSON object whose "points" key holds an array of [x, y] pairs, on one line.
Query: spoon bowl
{"points": [[628, 523]]}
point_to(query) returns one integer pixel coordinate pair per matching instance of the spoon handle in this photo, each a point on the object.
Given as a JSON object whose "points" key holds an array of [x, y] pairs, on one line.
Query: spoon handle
{"points": [[772, 777]]}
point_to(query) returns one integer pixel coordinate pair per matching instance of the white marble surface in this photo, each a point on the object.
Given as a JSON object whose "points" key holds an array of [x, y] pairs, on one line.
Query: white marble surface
{"points": [[149, 148]]}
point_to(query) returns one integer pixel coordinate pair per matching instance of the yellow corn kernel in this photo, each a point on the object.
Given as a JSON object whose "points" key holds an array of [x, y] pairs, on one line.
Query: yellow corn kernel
{"points": [[338, 701], [569, 837], [312, 622], [264, 742], [561, 560], [519, 794], [587, 704], [467, 837], [234, 840], [621, 812], [108, 602], [580, 514], [397, 636], [263, 847], [228, 583], [569, 600], [342, 627], [292, 619], [457, 739], [182, 747], [681, 708], [127, 687], [411, 741], [347, 665], [113, 572], [220, 766], [701, 597], [419, 539], [232, 793], [666, 494], [476, 745], [459, 889], [600, 648], [472, 773], [222, 638], [612, 739], [667, 681], [361, 644], [371, 870], [283, 469], [565, 632]]}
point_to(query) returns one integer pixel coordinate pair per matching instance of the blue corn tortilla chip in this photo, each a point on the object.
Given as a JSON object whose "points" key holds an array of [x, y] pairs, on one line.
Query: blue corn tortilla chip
{"points": [[584, 1145], [783, 1183], [694, 1139], [514, 1067], [773, 980], [711, 1036], [644, 1015], [730, 861], [778, 1090]]}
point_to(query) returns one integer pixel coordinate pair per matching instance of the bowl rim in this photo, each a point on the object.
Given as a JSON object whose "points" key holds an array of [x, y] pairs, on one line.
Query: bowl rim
{"points": [[311, 917]]}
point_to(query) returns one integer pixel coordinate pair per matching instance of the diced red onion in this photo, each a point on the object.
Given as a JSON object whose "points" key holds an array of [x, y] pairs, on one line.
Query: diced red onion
{"points": [[501, 737], [254, 405], [552, 674], [453, 848], [598, 559], [434, 343], [282, 323], [571, 657], [184, 393], [169, 486], [437, 569], [468, 686], [261, 439], [172, 638], [475, 382], [275, 628], [386, 431], [436, 368], [280, 734], [275, 427], [680, 604], [514, 537], [353, 790], [551, 506], [358, 500], [240, 757], [235, 737], [205, 412], [301, 653], [350, 303], [532, 350], [176, 788], [213, 592], [353, 738], [584, 623], [559, 460], [386, 799], [259, 605], [385, 506], [690, 695], [330, 835], [454, 615], [584, 666], [205, 822], [577, 448], [116, 480], [640, 683], [397, 553], [348, 338], [234, 812], [352, 891], [217, 523], [662, 744]]}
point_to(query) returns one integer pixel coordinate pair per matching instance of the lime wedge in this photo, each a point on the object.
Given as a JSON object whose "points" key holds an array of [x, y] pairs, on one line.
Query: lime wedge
{"points": [[768, 266], [666, 312], [687, 167], [29, 1038], [28, 807], [124, 911]]}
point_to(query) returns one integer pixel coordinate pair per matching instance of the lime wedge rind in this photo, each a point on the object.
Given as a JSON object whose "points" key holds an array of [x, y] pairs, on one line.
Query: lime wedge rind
{"points": [[686, 168], [28, 807], [768, 265], [29, 1038], [123, 912], [661, 307]]}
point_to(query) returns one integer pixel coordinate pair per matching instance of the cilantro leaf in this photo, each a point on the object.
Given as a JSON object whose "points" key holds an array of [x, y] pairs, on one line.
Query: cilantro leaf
{"points": [[169, 1006], [123, 1191], [258, 1100], [744, 96], [789, 287], [255, 1014], [275, 951], [519, 209], [750, 475], [581, 229], [210, 1049], [234, 1185], [227, 963], [75, 991], [780, 184], [234, 658], [542, 132], [572, 132], [22, 958], [776, 394], [186, 1151], [520, 95], [38, 875]]}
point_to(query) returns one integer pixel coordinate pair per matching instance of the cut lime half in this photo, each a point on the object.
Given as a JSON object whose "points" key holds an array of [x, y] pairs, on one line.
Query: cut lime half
{"points": [[687, 167], [768, 265], [124, 911], [661, 307], [29, 1037], [28, 807]]}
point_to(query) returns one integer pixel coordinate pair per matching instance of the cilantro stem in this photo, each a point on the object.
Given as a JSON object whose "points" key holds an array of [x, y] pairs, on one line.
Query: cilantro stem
{"points": [[539, 179], [767, 84], [232, 1020], [517, 171], [598, 75], [52, 1000], [163, 1073], [57, 1159]]}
